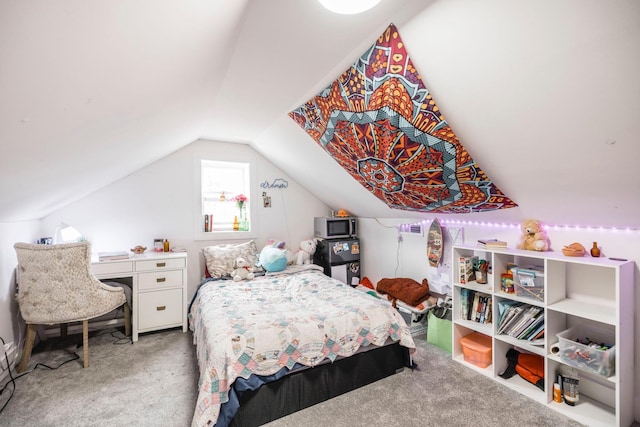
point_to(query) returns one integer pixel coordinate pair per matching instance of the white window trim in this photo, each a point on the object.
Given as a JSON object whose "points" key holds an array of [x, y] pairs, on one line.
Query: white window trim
{"points": [[199, 234]]}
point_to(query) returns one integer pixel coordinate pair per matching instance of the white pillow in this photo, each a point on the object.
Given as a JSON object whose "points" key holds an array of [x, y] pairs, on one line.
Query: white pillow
{"points": [[220, 258]]}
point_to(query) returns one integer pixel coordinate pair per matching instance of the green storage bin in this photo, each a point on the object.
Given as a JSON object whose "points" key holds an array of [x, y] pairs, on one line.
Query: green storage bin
{"points": [[439, 332]]}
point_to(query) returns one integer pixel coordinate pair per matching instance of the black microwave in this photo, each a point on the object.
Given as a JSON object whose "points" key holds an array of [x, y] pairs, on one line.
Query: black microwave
{"points": [[334, 227]]}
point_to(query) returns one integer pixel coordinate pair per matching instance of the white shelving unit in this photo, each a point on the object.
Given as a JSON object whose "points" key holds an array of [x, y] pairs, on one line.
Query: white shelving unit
{"points": [[577, 291]]}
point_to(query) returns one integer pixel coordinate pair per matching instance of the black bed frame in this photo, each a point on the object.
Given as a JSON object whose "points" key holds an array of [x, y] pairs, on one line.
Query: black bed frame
{"points": [[308, 387]]}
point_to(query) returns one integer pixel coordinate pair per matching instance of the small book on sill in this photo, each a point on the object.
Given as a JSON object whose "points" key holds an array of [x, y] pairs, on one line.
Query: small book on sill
{"points": [[112, 256], [492, 243]]}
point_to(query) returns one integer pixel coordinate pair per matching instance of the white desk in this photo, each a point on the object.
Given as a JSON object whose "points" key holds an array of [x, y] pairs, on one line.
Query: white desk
{"points": [[159, 288]]}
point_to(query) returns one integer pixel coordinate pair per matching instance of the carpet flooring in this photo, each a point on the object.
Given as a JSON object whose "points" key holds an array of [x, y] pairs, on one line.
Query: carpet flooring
{"points": [[153, 383]]}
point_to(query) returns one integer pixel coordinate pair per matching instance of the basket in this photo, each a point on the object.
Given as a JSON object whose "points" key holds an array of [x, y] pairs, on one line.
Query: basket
{"points": [[601, 361], [529, 283]]}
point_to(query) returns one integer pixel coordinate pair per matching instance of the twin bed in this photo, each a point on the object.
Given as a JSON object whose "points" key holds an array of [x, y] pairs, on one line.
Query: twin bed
{"points": [[284, 341]]}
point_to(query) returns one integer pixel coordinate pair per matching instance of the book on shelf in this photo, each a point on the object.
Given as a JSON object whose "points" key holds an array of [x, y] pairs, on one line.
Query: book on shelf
{"points": [[475, 306], [513, 315], [464, 303], [526, 322], [522, 321], [492, 243], [465, 269], [113, 256], [533, 328]]}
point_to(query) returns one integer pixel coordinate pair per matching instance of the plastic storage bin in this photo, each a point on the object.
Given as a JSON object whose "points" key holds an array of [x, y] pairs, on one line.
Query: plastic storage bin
{"points": [[529, 283], [476, 349], [594, 359]]}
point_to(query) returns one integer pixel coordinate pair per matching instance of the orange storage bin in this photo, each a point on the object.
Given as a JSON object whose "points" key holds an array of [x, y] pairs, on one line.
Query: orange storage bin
{"points": [[476, 349]]}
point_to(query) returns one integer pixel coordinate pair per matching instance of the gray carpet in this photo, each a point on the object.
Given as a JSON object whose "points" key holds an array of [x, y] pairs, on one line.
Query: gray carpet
{"points": [[153, 383]]}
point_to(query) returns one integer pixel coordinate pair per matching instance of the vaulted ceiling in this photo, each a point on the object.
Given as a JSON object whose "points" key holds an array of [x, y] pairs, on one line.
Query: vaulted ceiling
{"points": [[544, 95]]}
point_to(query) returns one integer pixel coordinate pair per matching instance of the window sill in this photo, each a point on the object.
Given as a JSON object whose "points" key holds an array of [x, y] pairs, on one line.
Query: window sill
{"points": [[226, 235]]}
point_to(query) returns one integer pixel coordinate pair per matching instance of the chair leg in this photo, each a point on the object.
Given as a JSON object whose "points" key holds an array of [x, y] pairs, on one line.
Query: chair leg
{"points": [[28, 346], [85, 342], [127, 319]]}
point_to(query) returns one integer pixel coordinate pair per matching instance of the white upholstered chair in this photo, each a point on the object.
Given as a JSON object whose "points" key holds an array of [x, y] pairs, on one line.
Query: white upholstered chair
{"points": [[56, 286]]}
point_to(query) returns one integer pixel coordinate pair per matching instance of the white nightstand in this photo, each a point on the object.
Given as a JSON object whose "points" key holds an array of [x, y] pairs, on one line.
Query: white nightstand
{"points": [[159, 288]]}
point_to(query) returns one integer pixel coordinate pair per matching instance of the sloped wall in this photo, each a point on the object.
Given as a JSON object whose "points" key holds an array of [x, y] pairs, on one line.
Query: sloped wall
{"points": [[158, 202]]}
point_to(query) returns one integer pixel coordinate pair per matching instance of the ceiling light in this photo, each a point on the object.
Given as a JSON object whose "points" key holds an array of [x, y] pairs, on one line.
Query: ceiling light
{"points": [[348, 7]]}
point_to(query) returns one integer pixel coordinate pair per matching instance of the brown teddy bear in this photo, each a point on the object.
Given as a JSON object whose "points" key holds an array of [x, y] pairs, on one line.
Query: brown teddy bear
{"points": [[534, 237]]}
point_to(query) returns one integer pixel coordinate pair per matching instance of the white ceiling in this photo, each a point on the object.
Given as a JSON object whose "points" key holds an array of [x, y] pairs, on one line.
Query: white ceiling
{"points": [[545, 95]]}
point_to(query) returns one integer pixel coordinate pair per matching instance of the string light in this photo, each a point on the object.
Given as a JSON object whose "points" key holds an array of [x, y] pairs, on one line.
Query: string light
{"points": [[555, 227]]}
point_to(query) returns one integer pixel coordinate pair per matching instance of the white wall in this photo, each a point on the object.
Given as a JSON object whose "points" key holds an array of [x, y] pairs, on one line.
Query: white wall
{"points": [[158, 202], [382, 255], [11, 325]]}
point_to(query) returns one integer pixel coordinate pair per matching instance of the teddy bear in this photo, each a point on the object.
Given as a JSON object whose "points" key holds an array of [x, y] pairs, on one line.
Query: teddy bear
{"points": [[242, 271], [305, 254], [534, 237]]}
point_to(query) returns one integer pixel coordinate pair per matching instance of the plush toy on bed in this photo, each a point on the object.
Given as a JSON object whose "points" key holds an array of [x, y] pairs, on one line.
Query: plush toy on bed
{"points": [[534, 237], [291, 258], [273, 258], [243, 270], [305, 254]]}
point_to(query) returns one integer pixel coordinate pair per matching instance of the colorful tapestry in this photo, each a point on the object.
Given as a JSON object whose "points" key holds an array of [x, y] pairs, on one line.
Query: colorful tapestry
{"points": [[379, 122]]}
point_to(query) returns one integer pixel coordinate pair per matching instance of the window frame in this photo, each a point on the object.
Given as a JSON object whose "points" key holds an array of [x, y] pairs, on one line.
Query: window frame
{"points": [[199, 233]]}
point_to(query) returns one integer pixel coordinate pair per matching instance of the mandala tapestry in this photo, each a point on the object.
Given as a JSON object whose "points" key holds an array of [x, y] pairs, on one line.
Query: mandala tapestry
{"points": [[379, 122]]}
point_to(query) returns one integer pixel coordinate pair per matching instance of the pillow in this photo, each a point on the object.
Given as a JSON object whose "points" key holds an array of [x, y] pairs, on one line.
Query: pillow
{"points": [[219, 258], [404, 289], [272, 258]]}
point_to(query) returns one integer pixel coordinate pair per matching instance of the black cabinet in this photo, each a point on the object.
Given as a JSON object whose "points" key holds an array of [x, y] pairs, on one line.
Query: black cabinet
{"points": [[340, 259]]}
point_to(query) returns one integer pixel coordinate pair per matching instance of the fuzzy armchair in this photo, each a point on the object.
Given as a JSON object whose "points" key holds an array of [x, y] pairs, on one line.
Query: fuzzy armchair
{"points": [[56, 285]]}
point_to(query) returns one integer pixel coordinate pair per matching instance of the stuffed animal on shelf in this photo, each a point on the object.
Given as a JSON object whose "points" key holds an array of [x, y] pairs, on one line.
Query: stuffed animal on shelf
{"points": [[534, 237], [305, 254], [273, 258], [243, 270]]}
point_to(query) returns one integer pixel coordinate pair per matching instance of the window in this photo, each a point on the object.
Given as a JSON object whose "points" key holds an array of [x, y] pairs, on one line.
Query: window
{"points": [[225, 198]]}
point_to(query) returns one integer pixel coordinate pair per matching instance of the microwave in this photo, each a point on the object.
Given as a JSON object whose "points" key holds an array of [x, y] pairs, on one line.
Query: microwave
{"points": [[334, 227]]}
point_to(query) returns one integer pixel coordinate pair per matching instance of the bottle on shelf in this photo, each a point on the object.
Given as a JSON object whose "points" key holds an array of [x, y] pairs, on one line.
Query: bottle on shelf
{"points": [[166, 245], [236, 224], [595, 251]]}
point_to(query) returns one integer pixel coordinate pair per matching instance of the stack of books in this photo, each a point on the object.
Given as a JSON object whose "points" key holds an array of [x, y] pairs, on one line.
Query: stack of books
{"points": [[112, 256], [521, 321], [475, 306], [491, 243]]}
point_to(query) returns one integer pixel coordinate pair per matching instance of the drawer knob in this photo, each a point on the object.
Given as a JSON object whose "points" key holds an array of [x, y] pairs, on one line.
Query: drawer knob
{"points": [[161, 307], [161, 279], [161, 264]]}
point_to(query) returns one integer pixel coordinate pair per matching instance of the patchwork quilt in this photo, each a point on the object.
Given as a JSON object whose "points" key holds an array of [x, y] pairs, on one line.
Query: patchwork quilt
{"points": [[299, 316]]}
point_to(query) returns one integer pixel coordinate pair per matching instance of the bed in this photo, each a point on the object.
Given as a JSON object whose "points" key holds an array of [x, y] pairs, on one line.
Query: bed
{"points": [[284, 341]]}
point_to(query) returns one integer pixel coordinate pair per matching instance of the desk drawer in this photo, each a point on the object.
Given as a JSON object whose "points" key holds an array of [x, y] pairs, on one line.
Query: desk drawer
{"points": [[111, 267], [159, 309], [160, 264], [161, 279]]}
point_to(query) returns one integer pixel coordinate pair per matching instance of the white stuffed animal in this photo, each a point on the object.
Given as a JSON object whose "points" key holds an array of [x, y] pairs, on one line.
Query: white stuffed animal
{"points": [[243, 270], [307, 249]]}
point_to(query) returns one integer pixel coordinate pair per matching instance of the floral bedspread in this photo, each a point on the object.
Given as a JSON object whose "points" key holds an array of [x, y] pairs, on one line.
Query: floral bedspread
{"points": [[275, 321]]}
